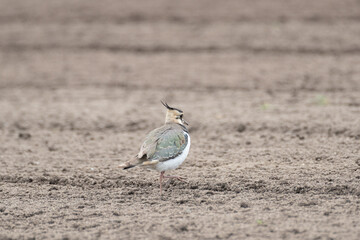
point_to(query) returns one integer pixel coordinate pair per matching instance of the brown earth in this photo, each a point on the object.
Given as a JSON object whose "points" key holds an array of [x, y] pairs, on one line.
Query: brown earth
{"points": [[271, 90]]}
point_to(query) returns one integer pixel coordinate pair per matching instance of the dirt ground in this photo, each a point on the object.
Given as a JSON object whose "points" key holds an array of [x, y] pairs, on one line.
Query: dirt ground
{"points": [[271, 90]]}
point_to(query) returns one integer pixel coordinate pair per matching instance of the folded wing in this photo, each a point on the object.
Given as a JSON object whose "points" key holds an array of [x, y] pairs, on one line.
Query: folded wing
{"points": [[163, 143]]}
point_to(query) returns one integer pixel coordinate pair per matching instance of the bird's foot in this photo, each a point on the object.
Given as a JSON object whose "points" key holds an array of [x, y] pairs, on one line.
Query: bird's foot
{"points": [[181, 179]]}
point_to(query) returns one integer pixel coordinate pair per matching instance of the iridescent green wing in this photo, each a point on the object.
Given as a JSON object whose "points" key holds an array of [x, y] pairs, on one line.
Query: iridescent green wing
{"points": [[163, 143], [170, 144]]}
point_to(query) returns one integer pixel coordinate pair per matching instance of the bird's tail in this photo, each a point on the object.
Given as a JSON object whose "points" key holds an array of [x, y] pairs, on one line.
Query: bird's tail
{"points": [[127, 165], [130, 164], [138, 162]]}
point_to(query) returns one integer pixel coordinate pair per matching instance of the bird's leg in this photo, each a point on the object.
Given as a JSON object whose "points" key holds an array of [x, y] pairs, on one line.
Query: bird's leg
{"points": [[181, 179], [161, 179]]}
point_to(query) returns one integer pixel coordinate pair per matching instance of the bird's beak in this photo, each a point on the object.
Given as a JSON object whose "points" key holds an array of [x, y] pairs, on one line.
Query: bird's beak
{"points": [[185, 122]]}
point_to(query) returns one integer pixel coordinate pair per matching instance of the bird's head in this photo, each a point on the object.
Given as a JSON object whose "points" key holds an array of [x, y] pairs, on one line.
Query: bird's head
{"points": [[174, 115]]}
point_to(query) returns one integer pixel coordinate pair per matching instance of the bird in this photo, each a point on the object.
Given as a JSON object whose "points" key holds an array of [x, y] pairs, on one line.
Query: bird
{"points": [[164, 148]]}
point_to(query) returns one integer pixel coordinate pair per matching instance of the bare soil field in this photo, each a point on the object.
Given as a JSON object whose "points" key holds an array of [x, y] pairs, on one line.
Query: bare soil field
{"points": [[271, 90]]}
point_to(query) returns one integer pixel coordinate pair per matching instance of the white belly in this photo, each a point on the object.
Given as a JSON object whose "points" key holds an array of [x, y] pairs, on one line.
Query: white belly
{"points": [[174, 163]]}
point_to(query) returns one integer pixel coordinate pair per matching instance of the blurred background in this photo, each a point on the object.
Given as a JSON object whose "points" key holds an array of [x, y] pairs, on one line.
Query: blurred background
{"points": [[271, 90], [246, 45], [135, 53]]}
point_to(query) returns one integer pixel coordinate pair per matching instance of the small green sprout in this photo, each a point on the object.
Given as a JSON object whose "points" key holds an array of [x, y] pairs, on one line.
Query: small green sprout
{"points": [[265, 106], [321, 100], [259, 222]]}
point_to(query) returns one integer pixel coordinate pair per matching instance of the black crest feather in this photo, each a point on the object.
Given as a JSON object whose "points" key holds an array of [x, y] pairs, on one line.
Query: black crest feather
{"points": [[170, 108]]}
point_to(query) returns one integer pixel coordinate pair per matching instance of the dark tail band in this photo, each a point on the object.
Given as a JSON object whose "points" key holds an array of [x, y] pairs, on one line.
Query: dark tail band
{"points": [[129, 166]]}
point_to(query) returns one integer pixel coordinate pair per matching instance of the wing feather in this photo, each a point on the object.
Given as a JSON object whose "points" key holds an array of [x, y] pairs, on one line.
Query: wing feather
{"points": [[163, 143]]}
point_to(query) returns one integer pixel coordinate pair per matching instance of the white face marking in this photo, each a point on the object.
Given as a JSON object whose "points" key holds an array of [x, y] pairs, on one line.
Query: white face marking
{"points": [[179, 121]]}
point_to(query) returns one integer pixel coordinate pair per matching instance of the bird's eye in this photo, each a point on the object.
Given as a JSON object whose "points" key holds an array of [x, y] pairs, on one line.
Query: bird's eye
{"points": [[181, 116]]}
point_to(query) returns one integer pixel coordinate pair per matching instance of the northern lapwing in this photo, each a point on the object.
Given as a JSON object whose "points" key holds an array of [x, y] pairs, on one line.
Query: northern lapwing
{"points": [[166, 147]]}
